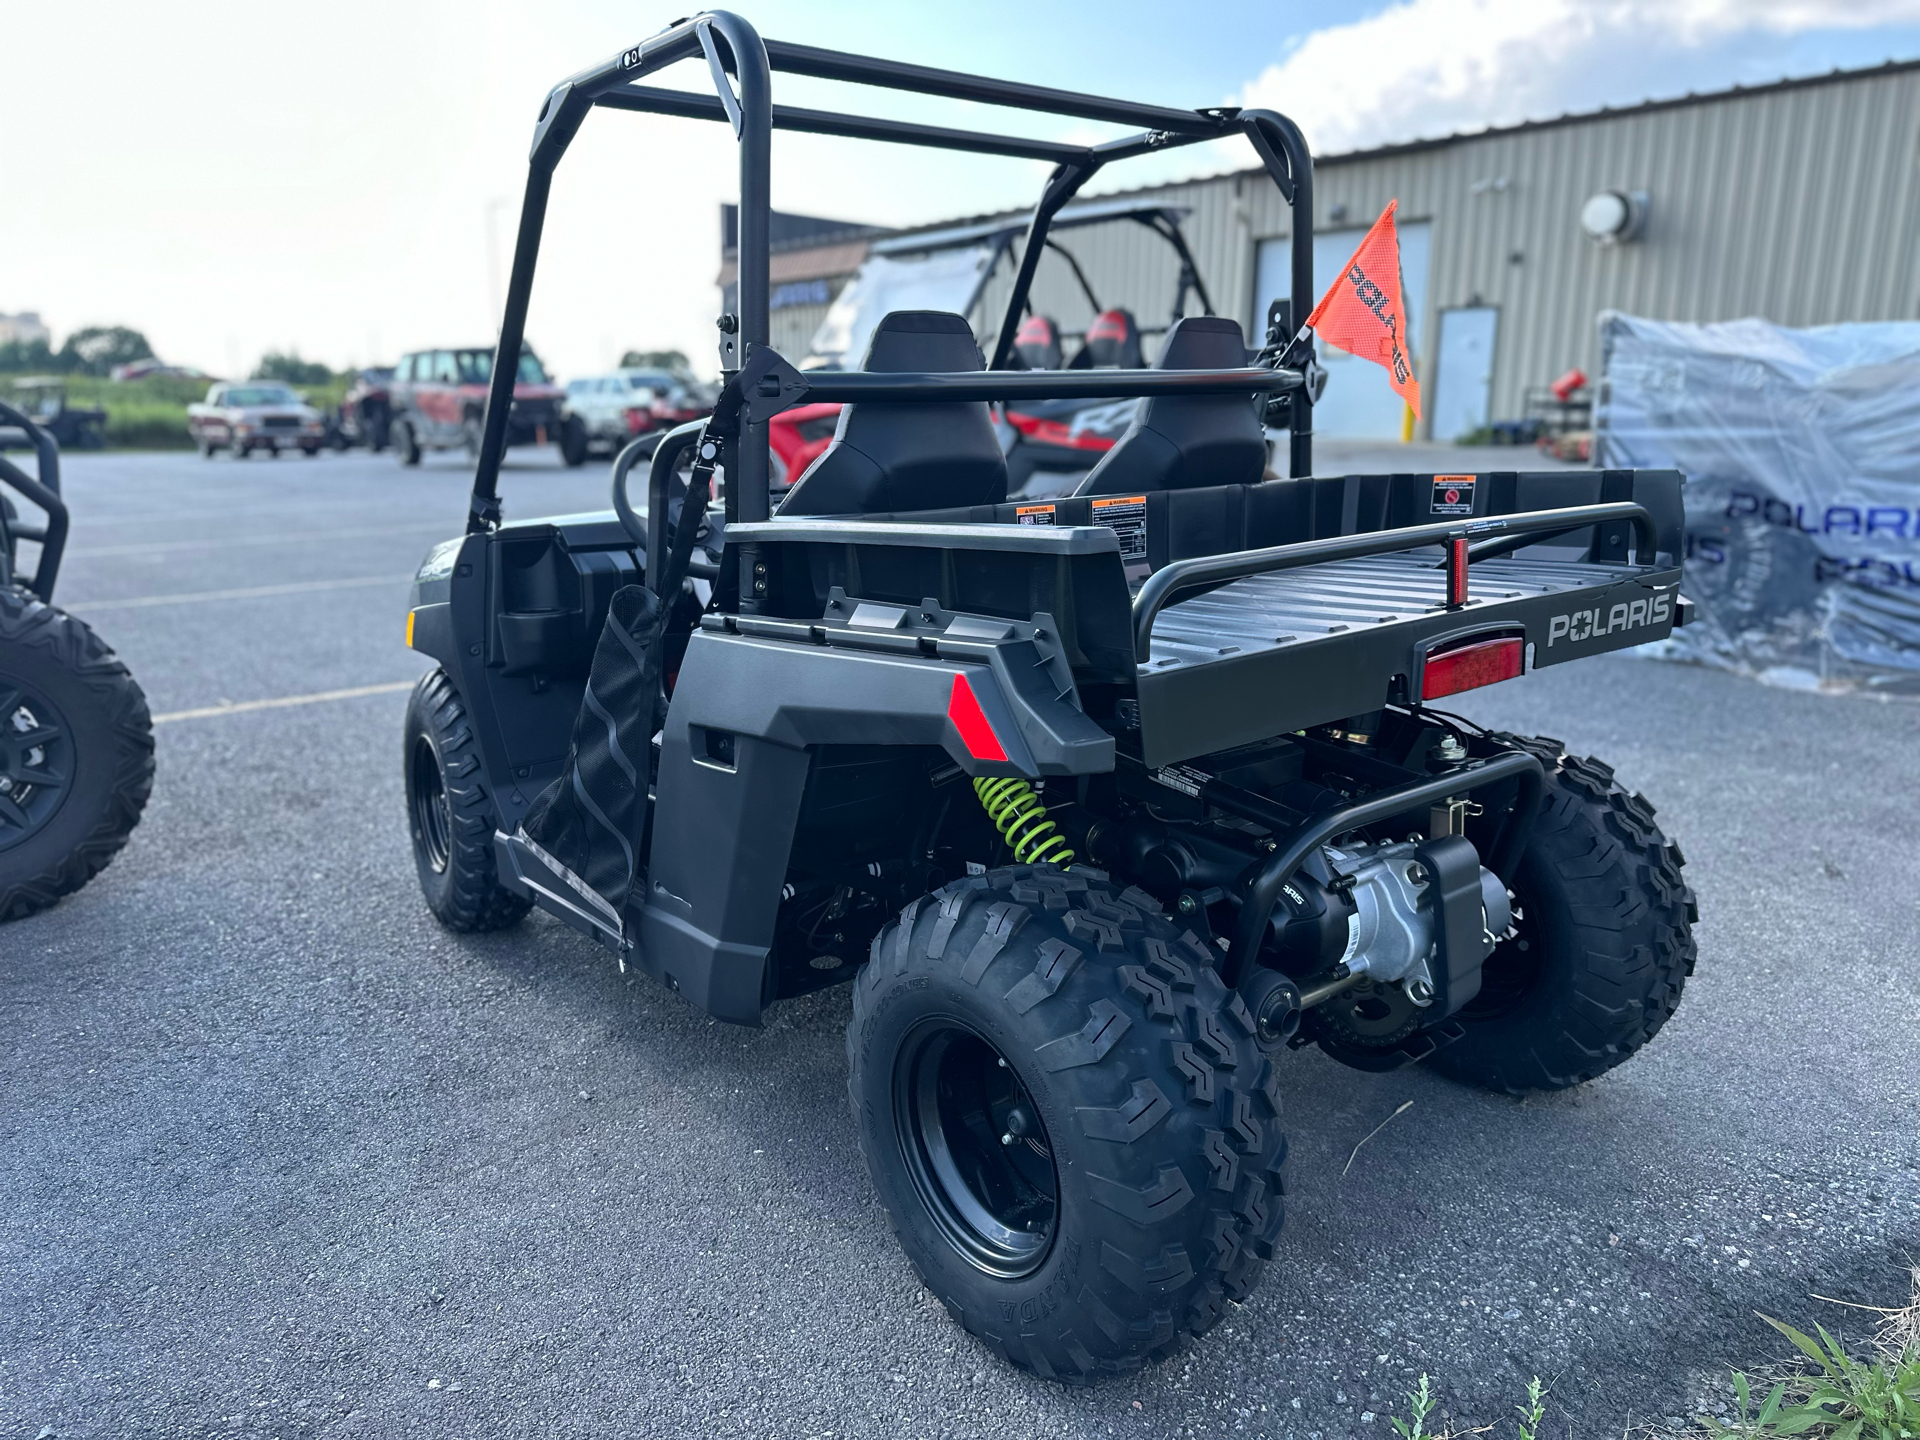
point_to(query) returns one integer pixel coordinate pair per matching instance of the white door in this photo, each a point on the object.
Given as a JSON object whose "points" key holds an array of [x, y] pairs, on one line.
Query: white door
{"points": [[1359, 403], [1463, 376]]}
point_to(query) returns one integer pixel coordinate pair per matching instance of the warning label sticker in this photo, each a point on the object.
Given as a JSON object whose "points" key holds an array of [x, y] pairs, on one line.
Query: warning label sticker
{"points": [[1453, 494], [1126, 516], [1035, 515]]}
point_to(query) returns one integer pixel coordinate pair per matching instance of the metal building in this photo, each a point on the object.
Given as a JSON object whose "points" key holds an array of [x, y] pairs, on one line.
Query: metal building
{"points": [[1797, 201]]}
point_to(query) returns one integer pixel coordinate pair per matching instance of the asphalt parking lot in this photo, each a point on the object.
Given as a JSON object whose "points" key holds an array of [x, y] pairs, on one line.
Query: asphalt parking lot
{"points": [[280, 1157]]}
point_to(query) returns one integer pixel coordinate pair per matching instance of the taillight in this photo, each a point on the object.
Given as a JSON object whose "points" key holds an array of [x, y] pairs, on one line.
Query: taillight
{"points": [[636, 420], [1468, 667], [976, 731]]}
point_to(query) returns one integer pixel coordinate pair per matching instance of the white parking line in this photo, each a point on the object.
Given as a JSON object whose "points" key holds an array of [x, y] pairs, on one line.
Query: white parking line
{"points": [[282, 702], [252, 592], [293, 537]]}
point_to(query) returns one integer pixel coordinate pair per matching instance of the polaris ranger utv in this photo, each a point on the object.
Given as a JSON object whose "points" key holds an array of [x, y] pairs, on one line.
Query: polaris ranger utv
{"points": [[1104, 805], [76, 742]]}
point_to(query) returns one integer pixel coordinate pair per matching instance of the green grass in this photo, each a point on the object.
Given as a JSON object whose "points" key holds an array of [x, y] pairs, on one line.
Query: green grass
{"points": [[1837, 1394], [151, 414], [1868, 1392]]}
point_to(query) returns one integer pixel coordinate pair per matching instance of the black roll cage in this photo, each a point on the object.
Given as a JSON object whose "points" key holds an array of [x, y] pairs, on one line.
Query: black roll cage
{"points": [[741, 66]]}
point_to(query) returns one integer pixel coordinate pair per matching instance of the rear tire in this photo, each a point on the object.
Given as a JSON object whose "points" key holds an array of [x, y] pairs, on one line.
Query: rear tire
{"points": [[406, 445], [450, 814], [60, 683], [1602, 942], [1143, 1188]]}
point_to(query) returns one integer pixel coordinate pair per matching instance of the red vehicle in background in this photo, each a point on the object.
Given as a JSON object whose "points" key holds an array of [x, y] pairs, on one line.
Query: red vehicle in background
{"points": [[797, 437], [439, 402], [366, 410]]}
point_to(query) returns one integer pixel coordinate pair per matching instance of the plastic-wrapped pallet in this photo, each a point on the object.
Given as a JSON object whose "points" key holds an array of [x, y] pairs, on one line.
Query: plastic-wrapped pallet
{"points": [[1801, 450]]}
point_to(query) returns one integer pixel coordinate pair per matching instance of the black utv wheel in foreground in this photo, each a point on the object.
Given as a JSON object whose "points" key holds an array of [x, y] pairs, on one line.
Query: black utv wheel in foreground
{"points": [[76, 754], [1067, 1117], [450, 814], [1601, 944]]}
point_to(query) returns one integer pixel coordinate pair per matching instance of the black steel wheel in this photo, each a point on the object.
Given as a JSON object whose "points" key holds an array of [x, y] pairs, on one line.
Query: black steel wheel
{"points": [[450, 814], [976, 1148], [427, 797], [76, 754], [1601, 943], [1066, 1115], [36, 761]]}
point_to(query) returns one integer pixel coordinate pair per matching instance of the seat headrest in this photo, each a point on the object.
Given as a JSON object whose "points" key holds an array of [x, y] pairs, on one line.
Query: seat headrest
{"points": [[922, 340], [1203, 342], [1113, 341], [1037, 343]]}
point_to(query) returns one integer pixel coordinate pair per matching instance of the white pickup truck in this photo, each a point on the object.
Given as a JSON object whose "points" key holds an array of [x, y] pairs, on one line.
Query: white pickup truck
{"points": [[243, 416]]}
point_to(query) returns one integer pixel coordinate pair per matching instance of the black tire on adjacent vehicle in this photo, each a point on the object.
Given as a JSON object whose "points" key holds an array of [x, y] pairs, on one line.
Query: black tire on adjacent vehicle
{"points": [[450, 814], [1601, 945], [406, 445], [573, 442], [76, 754], [1139, 1186]]}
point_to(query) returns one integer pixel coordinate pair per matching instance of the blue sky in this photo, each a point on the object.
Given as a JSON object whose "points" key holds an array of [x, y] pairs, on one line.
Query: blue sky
{"points": [[340, 201]]}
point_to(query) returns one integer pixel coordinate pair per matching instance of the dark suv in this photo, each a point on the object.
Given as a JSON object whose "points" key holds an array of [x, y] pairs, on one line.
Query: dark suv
{"points": [[440, 403]]}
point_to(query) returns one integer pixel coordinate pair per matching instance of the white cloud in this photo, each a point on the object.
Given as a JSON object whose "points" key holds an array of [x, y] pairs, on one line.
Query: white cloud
{"points": [[1430, 67]]}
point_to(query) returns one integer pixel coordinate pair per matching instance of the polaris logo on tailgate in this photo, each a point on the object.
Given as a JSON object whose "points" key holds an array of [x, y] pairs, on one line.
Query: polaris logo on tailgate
{"points": [[1627, 615]]}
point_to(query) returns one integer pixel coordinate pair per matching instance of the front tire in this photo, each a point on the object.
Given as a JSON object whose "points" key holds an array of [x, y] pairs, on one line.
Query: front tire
{"points": [[1139, 1187], [1601, 945], [406, 445], [76, 754], [450, 813]]}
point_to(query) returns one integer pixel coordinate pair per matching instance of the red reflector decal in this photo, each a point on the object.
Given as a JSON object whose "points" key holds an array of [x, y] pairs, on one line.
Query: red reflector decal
{"points": [[971, 721], [1486, 663]]}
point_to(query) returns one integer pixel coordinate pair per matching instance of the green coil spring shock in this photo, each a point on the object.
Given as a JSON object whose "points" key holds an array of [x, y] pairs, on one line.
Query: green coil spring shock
{"points": [[1021, 818]]}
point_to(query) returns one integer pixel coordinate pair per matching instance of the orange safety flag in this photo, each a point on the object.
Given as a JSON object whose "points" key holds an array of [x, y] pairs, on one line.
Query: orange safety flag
{"points": [[1361, 310]]}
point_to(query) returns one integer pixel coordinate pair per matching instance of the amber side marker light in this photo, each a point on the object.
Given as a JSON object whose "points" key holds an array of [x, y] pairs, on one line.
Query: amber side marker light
{"points": [[1484, 662], [410, 615]]}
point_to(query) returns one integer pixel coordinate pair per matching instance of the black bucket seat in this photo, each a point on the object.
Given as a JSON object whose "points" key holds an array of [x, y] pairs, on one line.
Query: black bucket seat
{"points": [[1182, 442], [1113, 343], [922, 455]]}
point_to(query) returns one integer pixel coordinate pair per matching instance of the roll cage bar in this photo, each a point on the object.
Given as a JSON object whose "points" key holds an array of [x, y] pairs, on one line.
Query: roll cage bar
{"points": [[741, 64]]}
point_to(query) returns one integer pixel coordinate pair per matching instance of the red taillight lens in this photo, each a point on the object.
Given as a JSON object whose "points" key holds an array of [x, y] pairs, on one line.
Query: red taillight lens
{"points": [[1485, 662], [976, 731], [636, 420]]}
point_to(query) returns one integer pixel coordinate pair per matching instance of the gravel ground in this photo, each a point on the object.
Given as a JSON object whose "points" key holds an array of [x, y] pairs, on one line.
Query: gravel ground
{"points": [[280, 1157]]}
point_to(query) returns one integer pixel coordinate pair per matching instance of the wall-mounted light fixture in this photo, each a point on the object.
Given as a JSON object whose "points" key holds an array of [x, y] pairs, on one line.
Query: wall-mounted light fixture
{"points": [[1614, 217]]}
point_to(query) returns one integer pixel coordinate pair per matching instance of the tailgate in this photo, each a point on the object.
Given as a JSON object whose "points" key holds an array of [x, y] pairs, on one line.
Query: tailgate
{"points": [[1286, 648]]}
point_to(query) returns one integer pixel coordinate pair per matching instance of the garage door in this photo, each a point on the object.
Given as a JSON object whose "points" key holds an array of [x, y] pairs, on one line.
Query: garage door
{"points": [[1359, 403]]}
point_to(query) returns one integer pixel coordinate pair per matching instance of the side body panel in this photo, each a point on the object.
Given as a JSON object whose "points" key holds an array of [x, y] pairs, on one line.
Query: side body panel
{"points": [[733, 766]]}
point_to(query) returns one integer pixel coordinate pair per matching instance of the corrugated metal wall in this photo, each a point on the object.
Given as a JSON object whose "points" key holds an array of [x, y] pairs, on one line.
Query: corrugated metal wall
{"points": [[1800, 204]]}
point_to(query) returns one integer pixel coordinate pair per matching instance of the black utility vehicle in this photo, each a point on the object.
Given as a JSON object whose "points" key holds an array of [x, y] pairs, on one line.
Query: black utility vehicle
{"points": [[1102, 805], [76, 743]]}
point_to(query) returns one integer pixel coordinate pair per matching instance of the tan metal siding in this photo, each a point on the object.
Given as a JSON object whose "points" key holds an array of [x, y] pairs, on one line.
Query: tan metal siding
{"points": [[1801, 205]]}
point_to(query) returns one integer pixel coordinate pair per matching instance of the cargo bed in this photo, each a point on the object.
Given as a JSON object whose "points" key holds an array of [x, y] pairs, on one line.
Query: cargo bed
{"points": [[1234, 613]]}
